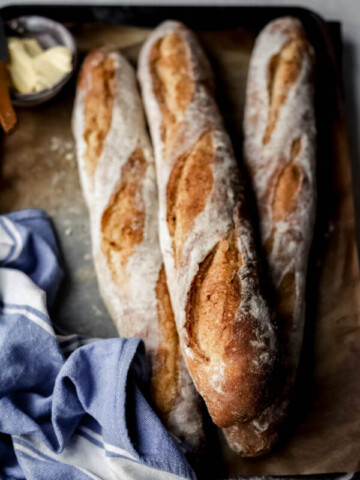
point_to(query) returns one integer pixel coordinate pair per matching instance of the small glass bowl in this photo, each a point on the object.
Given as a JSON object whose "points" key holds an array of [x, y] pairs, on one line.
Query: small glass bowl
{"points": [[48, 33]]}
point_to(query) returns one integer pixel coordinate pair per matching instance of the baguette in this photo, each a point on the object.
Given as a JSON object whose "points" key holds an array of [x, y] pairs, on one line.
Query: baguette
{"points": [[279, 152], [225, 327], [117, 174]]}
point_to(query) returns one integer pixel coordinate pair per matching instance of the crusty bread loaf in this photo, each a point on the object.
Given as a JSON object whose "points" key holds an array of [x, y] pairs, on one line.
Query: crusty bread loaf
{"points": [[117, 173], [225, 328], [279, 151]]}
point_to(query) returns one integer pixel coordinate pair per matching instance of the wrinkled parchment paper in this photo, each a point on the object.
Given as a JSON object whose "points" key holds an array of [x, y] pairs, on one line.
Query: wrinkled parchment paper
{"points": [[39, 170]]}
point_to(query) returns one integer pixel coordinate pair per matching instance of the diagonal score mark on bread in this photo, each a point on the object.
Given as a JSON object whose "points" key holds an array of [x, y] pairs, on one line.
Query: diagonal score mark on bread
{"points": [[288, 185], [98, 106], [284, 192], [185, 200], [215, 293], [283, 70], [173, 85], [123, 220]]}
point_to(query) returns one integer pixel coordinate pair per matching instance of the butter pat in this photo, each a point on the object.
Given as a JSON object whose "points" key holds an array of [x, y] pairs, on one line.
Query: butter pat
{"points": [[21, 70], [51, 65], [33, 69], [31, 46]]}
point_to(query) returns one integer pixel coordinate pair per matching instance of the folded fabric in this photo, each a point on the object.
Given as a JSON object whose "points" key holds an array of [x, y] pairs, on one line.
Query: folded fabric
{"points": [[70, 407]]}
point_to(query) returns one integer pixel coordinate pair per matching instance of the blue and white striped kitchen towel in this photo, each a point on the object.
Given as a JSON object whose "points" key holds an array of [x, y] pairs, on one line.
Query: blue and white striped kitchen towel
{"points": [[66, 412]]}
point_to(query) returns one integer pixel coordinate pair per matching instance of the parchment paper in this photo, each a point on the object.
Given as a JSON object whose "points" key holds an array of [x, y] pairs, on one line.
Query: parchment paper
{"points": [[39, 170]]}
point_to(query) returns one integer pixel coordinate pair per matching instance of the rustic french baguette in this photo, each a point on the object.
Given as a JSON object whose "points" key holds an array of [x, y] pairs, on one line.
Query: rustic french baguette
{"points": [[225, 328], [279, 151], [117, 173]]}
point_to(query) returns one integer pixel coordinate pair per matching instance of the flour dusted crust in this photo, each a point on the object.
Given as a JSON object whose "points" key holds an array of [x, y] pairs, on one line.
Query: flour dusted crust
{"points": [[224, 324], [118, 178], [279, 151]]}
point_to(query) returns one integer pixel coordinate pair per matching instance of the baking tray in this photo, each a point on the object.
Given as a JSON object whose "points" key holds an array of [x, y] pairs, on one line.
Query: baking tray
{"points": [[25, 179], [38, 165]]}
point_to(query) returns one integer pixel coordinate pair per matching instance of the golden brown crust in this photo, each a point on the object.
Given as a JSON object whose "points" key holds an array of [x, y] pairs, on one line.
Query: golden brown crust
{"points": [[283, 70], [214, 298], [98, 105], [286, 191], [173, 85], [165, 377], [189, 186], [288, 186], [122, 223]]}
